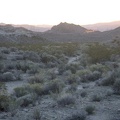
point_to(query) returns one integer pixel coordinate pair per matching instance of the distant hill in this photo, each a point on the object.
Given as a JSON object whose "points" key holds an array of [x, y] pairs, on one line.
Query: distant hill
{"points": [[103, 26], [35, 28], [67, 28], [65, 32], [8, 33]]}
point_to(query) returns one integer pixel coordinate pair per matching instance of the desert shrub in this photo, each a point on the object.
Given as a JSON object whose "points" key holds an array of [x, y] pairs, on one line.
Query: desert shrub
{"points": [[1, 55], [1, 66], [54, 86], [45, 58], [72, 79], [93, 76], [84, 59], [67, 73], [87, 75], [2, 85], [72, 88], [34, 69], [99, 52], [10, 66], [5, 50], [98, 67], [36, 114], [83, 93], [24, 66], [110, 78], [37, 89], [2, 88], [52, 74], [8, 76], [13, 106], [72, 67], [96, 98], [77, 116], [83, 72], [116, 86], [61, 68], [24, 101], [4, 102], [20, 91], [30, 55], [65, 100], [69, 49], [36, 79], [90, 109]]}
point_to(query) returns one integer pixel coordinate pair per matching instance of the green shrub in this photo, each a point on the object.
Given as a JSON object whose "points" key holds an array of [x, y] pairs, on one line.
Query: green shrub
{"points": [[90, 109], [98, 67], [37, 88], [20, 91], [54, 86], [32, 56], [72, 67], [26, 100], [72, 79], [4, 102], [36, 79], [8, 76], [2, 88], [65, 100], [99, 52], [109, 79], [24, 66]]}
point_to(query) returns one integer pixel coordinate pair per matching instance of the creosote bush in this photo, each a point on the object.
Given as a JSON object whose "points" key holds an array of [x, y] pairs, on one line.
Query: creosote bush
{"points": [[99, 52], [36, 79], [8, 76], [37, 89], [54, 86], [65, 100], [72, 79], [20, 91]]}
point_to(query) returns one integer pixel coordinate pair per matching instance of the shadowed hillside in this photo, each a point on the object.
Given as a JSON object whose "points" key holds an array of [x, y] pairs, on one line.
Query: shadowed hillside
{"points": [[8, 33], [67, 28]]}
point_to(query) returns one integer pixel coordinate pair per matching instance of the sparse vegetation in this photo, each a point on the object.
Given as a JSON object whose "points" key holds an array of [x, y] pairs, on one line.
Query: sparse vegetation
{"points": [[59, 78], [20, 91], [90, 109], [65, 100]]}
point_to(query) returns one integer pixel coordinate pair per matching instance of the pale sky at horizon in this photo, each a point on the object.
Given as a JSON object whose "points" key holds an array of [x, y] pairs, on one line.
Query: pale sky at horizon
{"points": [[53, 12]]}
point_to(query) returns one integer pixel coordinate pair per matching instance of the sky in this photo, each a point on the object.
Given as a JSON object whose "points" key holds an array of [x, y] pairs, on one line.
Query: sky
{"points": [[52, 12]]}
